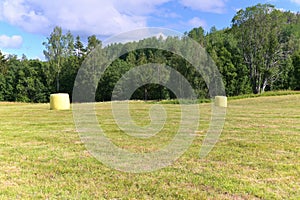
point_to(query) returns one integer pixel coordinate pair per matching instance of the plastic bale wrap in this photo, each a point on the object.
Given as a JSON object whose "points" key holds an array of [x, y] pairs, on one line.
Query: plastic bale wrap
{"points": [[59, 101], [221, 101]]}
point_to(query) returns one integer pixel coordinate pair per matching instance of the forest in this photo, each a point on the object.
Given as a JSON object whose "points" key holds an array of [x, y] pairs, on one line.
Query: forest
{"points": [[259, 52]]}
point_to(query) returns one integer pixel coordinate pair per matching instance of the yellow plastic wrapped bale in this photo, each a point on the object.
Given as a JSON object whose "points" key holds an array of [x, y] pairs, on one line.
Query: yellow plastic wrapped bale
{"points": [[59, 101], [221, 101]]}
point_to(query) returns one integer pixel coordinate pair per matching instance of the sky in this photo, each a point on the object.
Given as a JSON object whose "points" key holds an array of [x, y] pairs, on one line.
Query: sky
{"points": [[26, 24]]}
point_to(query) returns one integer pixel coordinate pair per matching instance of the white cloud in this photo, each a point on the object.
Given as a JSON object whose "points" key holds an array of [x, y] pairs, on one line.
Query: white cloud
{"points": [[16, 13], [101, 17], [139, 34], [90, 16], [197, 22], [4, 53], [296, 1], [214, 6], [139, 7], [13, 42]]}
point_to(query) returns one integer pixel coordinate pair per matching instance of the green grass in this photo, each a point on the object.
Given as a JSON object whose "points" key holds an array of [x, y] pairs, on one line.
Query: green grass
{"points": [[257, 156], [266, 94], [245, 96]]}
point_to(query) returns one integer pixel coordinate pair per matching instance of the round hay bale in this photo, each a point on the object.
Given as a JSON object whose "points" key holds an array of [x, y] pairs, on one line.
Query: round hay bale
{"points": [[59, 101], [221, 101]]}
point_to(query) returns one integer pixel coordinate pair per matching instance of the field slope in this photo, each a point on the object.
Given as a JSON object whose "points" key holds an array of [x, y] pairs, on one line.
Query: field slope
{"points": [[257, 156]]}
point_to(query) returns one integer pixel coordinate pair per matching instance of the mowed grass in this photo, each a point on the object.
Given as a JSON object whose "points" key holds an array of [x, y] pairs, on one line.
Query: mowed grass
{"points": [[256, 157]]}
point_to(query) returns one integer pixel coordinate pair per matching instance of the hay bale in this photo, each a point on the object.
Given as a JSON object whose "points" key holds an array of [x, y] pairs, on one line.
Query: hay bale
{"points": [[59, 101], [221, 101]]}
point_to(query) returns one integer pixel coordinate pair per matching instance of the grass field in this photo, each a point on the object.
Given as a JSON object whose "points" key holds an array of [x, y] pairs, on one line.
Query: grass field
{"points": [[257, 156]]}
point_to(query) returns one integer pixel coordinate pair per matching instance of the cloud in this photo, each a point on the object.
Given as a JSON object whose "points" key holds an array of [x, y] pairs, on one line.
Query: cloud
{"points": [[16, 13], [296, 1], [4, 53], [197, 22], [13, 42], [194, 22], [100, 17], [214, 6], [90, 17], [139, 34]]}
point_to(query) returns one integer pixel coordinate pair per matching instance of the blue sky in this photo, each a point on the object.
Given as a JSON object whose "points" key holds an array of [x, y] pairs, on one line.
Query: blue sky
{"points": [[25, 24]]}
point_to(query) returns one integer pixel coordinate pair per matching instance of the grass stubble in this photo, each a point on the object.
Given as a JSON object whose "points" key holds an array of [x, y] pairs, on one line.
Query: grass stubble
{"points": [[256, 157]]}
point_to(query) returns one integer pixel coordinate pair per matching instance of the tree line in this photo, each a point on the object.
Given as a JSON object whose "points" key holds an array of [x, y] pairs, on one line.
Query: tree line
{"points": [[259, 52]]}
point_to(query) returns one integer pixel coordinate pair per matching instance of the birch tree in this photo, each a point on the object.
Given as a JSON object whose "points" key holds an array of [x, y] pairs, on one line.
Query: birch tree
{"points": [[58, 47], [261, 43]]}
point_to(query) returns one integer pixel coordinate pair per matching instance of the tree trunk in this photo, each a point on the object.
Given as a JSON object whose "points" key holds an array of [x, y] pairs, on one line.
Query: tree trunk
{"points": [[255, 86], [160, 92], [145, 93], [265, 83], [57, 83]]}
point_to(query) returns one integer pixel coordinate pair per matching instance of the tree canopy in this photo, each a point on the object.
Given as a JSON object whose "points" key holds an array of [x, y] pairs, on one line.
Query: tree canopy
{"points": [[259, 52]]}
